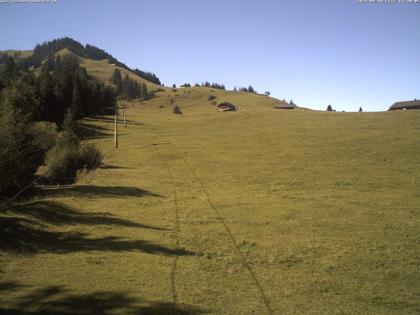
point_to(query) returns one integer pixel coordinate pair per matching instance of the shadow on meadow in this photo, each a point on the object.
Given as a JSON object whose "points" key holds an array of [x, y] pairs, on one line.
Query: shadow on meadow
{"points": [[93, 191], [111, 120], [58, 300], [115, 167], [58, 214], [25, 236], [90, 131], [33, 226]]}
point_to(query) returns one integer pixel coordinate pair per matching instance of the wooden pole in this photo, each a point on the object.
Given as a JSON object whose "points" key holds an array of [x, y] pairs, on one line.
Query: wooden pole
{"points": [[125, 117], [116, 128]]}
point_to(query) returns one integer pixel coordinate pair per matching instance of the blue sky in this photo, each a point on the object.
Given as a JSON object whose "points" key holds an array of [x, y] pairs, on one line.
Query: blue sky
{"points": [[316, 52]]}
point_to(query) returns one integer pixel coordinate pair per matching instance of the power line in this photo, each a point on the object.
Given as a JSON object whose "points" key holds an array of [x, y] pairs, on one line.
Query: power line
{"points": [[228, 232]]}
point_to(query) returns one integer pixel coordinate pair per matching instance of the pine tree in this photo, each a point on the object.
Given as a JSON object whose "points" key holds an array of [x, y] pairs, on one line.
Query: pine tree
{"points": [[75, 101], [117, 80], [126, 87], [143, 90], [18, 163], [360, 109], [47, 99], [329, 108]]}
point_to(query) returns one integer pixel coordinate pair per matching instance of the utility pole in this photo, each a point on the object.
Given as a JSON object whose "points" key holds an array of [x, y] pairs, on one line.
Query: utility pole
{"points": [[125, 116], [116, 128]]}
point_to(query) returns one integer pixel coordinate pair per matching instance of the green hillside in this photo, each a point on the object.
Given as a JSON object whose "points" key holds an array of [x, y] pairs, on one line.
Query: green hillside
{"points": [[102, 70], [258, 211], [17, 53]]}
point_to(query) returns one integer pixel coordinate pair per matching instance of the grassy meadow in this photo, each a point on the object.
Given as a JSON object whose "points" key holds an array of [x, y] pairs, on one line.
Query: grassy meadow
{"points": [[258, 211]]}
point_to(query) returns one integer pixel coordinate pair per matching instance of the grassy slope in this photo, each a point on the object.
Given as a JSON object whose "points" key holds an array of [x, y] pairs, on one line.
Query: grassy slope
{"points": [[321, 207], [102, 70], [21, 53]]}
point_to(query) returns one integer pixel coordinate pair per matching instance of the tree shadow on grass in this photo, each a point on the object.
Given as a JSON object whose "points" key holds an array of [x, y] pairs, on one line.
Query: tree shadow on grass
{"points": [[59, 301], [101, 191], [91, 131], [20, 235], [115, 167], [10, 286], [111, 120], [58, 214]]}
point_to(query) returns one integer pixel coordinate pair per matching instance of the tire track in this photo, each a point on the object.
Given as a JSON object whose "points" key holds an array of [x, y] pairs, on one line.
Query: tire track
{"points": [[177, 225], [241, 255]]}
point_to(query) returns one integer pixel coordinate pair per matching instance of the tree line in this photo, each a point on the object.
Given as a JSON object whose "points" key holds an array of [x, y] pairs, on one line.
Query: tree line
{"points": [[128, 88], [31, 108], [213, 85], [48, 49]]}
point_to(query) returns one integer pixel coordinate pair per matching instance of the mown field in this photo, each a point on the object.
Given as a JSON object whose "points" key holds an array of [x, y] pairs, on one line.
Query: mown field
{"points": [[258, 211]]}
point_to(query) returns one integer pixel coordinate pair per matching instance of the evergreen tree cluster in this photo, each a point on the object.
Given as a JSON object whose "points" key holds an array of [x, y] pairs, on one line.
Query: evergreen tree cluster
{"points": [[61, 84], [213, 85], [149, 76], [128, 88], [249, 89], [47, 49], [61, 87]]}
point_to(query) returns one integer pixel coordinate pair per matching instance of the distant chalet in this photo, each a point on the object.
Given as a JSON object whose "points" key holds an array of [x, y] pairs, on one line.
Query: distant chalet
{"points": [[285, 105], [406, 105], [226, 107]]}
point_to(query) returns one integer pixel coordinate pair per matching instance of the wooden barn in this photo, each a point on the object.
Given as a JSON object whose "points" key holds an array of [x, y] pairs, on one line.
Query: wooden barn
{"points": [[415, 104], [226, 107], [284, 105]]}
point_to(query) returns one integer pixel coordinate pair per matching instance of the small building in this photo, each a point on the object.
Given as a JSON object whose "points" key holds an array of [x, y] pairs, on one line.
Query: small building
{"points": [[415, 104], [226, 107], [284, 105]]}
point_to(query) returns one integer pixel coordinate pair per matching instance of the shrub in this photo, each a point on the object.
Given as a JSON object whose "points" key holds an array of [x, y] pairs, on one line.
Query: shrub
{"points": [[177, 110], [66, 156], [90, 157], [160, 90], [63, 163], [45, 134], [211, 97], [149, 96]]}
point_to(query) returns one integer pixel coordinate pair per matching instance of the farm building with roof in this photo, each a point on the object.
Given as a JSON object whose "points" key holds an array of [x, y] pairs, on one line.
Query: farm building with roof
{"points": [[406, 105], [284, 105]]}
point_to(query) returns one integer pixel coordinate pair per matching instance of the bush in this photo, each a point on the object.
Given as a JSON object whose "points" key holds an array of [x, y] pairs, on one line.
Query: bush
{"points": [[177, 110], [90, 157], [45, 134], [149, 96], [211, 97], [63, 163], [67, 157]]}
